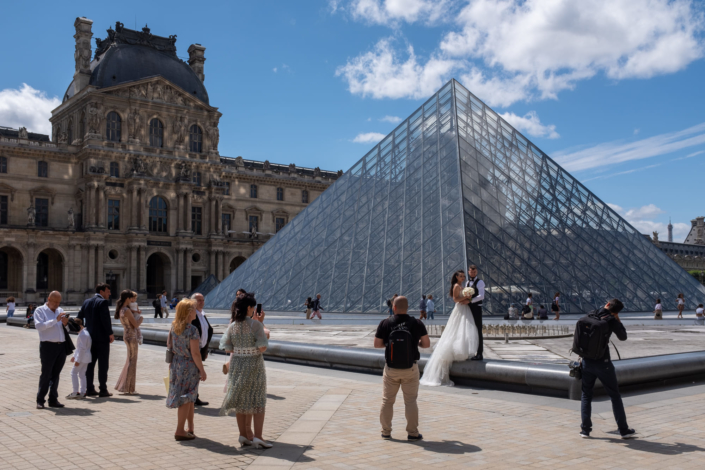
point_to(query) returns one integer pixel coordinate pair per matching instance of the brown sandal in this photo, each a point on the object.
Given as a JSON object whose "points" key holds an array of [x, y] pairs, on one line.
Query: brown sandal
{"points": [[187, 437]]}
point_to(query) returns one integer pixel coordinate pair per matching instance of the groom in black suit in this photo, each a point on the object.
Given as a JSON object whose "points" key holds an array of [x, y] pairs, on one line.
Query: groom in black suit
{"points": [[201, 323], [95, 314], [476, 305]]}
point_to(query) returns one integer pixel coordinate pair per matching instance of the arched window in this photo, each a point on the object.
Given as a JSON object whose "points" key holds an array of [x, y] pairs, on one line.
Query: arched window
{"points": [[196, 139], [253, 191], [157, 215], [156, 133], [69, 131], [280, 194], [304, 196], [113, 127], [82, 126]]}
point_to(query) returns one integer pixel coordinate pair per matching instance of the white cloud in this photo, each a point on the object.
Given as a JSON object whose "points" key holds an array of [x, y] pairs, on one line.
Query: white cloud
{"points": [[642, 219], [611, 153], [392, 119], [511, 50], [369, 138], [636, 131], [28, 108], [381, 73], [275, 70], [531, 124], [391, 12]]}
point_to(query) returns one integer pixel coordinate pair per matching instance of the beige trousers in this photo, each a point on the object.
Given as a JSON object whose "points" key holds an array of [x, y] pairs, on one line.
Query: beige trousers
{"points": [[408, 380]]}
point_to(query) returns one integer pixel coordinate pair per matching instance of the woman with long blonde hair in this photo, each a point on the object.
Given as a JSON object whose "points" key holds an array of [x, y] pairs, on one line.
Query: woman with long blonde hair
{"points": [[185, 369]]}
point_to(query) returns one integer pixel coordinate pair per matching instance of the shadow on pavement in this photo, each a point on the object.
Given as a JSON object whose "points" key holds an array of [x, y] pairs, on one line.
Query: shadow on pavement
{"points": [[448, 447], [71, 411], [655, 447], [281, 451], [275, 397]]}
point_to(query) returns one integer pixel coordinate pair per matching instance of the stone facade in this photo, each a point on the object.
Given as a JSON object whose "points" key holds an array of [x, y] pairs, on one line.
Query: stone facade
{"points": [[125, 192]]}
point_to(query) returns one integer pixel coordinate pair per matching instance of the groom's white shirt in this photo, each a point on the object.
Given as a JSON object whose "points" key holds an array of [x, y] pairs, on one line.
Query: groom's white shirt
{"points": [[480, 290]]}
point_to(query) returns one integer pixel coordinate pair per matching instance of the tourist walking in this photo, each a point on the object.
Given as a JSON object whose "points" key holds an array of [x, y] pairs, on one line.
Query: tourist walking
{"points": [[556, 306], [600, 366], [128, 377], [307, 304], [316, 307], [658, 310], [680, 301], [49, 320], [422, 307], [10, 307], [430, 307], [401, 336], [530, 304], [81, 358], [95, 313], [186, 368], [246, 395], [459, 339], [476, 306], [205, 332], [164, 304], [157, 304]]}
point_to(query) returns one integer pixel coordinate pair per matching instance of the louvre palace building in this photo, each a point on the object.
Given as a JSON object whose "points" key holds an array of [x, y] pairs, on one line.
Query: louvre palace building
{"points": [[130, 188]]}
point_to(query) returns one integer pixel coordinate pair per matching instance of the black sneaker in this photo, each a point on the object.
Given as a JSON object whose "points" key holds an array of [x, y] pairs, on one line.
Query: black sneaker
{"points": [[387, 437], [55, 404], [629, 434], [585, 434], [414, 438]]}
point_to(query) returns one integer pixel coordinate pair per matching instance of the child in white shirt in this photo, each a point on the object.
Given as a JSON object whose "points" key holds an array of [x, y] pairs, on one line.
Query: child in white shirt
{"points": [[699, 312], [658, 310], [136, 312], [81, 358]]}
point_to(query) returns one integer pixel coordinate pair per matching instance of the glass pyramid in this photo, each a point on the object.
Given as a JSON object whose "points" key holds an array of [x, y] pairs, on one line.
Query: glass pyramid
{"points": [[455, 185]]}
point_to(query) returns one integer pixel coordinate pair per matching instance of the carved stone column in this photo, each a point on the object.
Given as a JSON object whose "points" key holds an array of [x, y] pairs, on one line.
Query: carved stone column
{"points": [[143, 268], [102, 209], [220, 266], [91, 267], [100, 275], [187, 281], [133, 282], [70, 281], [180, 268], [218, 215], [180, 211], [187, 218], [211, 215], [30, 281], [88, 206], [142, 211], [212, 266]]}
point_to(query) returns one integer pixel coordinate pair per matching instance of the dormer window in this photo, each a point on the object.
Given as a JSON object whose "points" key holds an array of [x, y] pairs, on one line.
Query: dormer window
{"points": [[113, 127], [196, 139]]}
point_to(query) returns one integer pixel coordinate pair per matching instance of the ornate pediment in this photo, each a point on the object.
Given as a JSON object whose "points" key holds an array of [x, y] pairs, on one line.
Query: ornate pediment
{"points": [[42, 191], [6, 188], [156, 89]]}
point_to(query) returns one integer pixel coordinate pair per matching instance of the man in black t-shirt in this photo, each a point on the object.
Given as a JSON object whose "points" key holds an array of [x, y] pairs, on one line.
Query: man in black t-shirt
{"points": [[407, 378]]}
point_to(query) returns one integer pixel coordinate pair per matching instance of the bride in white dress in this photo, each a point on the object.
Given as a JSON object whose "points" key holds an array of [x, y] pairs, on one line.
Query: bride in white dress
{"points": [[458, 342]]}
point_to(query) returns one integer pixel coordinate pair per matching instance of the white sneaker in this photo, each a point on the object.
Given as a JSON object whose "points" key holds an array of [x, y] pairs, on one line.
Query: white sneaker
{"points": [[73, 396]]}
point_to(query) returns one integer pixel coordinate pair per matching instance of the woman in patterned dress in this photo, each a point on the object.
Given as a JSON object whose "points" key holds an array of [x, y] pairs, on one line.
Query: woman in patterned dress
{"points": [[128, 377], [185, 369], [246, 394]]}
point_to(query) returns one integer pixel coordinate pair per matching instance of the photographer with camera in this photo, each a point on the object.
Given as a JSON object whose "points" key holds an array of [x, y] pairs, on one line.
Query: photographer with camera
{"points": [[591, 343]]}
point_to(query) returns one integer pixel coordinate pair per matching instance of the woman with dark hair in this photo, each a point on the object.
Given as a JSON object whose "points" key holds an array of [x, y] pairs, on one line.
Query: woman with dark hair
{"points": [[307, 304], [246, 393], [128, 377], [681, 304], [459, 340]]}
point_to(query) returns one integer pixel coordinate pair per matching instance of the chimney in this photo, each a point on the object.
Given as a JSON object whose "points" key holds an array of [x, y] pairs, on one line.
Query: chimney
{"points": [[196, 59], [82, 55]]}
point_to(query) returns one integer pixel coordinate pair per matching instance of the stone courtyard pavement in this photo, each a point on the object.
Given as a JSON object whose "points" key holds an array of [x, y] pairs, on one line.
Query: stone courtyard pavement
{"points": [[326, 419]]}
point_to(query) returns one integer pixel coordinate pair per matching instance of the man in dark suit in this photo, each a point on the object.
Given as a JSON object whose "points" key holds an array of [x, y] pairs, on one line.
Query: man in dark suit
{"points": [[95, 314], [476, 305], [205, 330]]}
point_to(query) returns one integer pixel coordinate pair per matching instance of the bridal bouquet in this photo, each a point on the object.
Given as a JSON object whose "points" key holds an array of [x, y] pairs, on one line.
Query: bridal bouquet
{"points": [[468, 292]]}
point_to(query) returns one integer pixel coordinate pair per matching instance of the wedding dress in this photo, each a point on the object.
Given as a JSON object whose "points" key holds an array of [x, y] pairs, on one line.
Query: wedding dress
{"points": [[458, 342]]}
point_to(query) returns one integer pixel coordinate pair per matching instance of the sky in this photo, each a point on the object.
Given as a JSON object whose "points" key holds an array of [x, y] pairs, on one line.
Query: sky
{"points": [[610, 89]]}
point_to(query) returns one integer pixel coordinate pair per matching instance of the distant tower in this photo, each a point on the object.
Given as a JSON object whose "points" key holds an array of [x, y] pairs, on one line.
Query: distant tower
{"points": [[670, 230]]}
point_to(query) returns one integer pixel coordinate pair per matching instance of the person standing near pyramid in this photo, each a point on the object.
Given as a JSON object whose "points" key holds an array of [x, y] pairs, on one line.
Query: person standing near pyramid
{"points": [[476, 305]]}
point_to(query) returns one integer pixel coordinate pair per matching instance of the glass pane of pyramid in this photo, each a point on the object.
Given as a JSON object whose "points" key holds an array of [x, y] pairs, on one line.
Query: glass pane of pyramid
{"points": [[455, 185]]}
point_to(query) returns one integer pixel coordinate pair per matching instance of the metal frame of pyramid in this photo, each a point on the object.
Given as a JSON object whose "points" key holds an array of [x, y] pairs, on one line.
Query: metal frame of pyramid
{"points": [[454, 185]]}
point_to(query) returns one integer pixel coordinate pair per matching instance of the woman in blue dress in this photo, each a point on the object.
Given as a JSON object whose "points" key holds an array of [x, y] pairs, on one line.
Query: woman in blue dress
{"points": [[186, 368]]}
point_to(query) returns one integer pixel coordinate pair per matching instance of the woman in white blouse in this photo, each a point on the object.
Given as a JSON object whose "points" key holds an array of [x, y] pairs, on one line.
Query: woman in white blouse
{"points": [[681, 304]]}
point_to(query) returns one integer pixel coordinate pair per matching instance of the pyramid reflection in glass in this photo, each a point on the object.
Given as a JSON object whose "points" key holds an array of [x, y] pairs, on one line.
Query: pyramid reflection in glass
{"points": [[455, 185]]}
